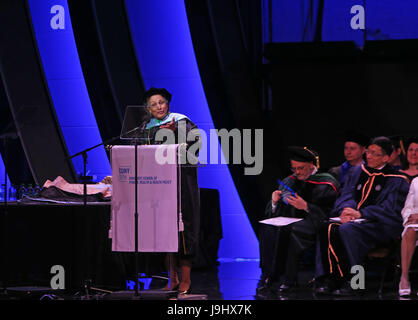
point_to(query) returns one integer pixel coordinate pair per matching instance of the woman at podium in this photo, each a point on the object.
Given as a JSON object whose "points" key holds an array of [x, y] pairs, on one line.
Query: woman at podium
{"points": [[157, 102]]}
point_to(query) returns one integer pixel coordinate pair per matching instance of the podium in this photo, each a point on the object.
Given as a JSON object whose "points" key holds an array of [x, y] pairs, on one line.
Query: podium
{"points": [[155, 200], [157, 194]]}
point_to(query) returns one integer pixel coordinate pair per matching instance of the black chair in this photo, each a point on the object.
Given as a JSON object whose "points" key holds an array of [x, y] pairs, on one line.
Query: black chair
{"points": [[388, 257]]}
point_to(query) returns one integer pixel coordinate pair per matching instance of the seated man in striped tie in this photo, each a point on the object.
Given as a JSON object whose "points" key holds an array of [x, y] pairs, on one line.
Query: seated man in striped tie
{"points": [[374, 193]]}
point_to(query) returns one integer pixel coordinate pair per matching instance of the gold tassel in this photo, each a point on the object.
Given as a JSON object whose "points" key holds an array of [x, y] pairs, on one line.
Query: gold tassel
{"points": [[316, 156], [402, 147]]}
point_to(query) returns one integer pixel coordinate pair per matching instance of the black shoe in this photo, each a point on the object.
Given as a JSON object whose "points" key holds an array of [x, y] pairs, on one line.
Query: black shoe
{"points": [[325, 286], [287, 286], [345, 290], [263, 285]]}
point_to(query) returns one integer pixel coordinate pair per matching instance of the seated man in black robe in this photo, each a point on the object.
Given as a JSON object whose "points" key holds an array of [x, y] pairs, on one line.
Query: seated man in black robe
{"points": [[374, 192], [314, 196]]}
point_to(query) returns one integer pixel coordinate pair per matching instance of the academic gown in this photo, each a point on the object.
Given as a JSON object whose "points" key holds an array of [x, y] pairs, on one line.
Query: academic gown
{"points": [[379, 195], [340, 172], [281, 247], [190, 196]]}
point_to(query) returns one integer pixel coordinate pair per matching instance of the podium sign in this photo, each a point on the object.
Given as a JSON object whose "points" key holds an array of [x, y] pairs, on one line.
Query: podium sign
{"points": [[157, 200]]}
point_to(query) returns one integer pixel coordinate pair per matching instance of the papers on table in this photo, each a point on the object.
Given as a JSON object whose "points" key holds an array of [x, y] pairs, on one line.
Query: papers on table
{"points": [[280, 221], [338, 219]]}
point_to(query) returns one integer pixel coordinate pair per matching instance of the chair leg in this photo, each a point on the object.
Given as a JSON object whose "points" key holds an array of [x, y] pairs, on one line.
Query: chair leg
{"points": [[382, 282], [397, 275]]}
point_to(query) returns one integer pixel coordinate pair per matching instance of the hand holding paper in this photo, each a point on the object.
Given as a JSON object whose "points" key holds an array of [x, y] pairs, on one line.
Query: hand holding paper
{"points": [[349, 214], [338, 219]]}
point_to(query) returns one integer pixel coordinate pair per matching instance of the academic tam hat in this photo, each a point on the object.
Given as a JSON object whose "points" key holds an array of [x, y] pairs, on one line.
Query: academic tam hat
{"points": [[304, 154], [357, 137], [153, 91]]}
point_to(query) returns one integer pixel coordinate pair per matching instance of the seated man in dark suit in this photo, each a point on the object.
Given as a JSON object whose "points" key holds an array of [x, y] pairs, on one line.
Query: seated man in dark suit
{"points": [[281, 247], [374, 192]]}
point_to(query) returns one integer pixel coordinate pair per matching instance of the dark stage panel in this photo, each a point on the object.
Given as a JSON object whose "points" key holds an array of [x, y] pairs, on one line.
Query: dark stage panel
{"points": [[38, 236], [321, 90]]}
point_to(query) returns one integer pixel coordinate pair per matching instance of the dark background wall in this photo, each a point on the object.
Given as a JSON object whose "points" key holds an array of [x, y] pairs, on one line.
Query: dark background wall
{"points": [[319, 93], [269, 67]]}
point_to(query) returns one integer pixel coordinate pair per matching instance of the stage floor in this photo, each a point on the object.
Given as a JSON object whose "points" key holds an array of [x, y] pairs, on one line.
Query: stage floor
{"points": [[238, 279]]}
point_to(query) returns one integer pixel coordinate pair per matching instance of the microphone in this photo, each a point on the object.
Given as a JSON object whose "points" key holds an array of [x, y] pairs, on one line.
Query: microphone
{"points": [[145, 119]]}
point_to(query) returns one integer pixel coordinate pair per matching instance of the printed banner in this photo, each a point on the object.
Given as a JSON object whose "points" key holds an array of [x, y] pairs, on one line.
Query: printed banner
{"points": [[157, 199]]}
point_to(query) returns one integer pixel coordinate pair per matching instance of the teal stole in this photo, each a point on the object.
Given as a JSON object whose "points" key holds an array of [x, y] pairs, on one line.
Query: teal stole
{"points": [[167, 119]]}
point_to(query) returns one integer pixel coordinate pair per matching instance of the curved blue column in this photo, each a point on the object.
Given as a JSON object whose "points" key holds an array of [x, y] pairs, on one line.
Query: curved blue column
{"points": [[164, 49], [3, 179], [61, 65]]}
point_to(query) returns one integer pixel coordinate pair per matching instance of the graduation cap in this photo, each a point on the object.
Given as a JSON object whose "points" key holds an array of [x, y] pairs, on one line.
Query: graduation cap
{"points": [[304, 154], [153, 91], [357, 137]]}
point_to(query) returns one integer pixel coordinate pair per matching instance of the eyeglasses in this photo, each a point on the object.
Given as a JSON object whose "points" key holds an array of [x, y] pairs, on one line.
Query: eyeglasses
{"points": [[373, 153], [296, 169]]}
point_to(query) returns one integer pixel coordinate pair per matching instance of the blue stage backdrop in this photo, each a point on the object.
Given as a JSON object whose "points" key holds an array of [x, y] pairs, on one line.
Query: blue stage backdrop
{"points": [[60, 61], [384, 20], [164, 49], [3, 180], [165, 53], [295, 21]]}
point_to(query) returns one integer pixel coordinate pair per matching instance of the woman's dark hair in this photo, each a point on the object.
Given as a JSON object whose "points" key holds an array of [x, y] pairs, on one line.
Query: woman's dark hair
{"points": [[409, 141]]}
